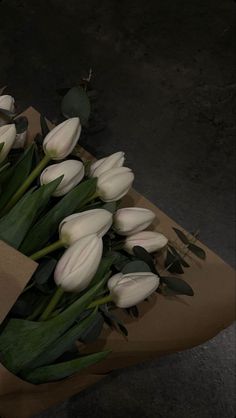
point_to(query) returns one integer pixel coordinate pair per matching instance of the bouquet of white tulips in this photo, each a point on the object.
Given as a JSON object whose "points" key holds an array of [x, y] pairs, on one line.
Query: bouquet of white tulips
{"points": [[93, 254]]}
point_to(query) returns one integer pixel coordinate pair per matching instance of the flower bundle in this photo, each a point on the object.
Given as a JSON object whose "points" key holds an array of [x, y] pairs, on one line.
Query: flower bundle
{"points": [[93, 255]]}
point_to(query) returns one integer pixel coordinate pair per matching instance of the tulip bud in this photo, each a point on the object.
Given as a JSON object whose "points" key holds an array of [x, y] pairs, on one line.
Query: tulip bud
{"points": [[61, 140], [7, 103], [112, 161], [78, 225], [7, 137], [114, 184], [150, 240], [128, 221], [130, 289], [72, 170], [79, 263]]}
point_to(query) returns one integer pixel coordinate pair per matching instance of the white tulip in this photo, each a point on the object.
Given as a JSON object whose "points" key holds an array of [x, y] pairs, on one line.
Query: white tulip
{"points": [[130, 289], [7, 137], [72, 170], [115, 183], [128, 221], [61, 140], [78, 225], [112, 161], [7, 102], [79, 263], [150, 240]]}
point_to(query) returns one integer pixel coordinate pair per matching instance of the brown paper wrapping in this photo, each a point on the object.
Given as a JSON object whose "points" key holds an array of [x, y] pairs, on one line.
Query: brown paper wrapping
{"points": [[165, 324]]}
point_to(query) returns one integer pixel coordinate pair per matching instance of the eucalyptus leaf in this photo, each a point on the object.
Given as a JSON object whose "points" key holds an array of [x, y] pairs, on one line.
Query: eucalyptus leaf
{"points": [[76, 103], [181, 236], [21, 124], [47, 226], [144, 255], [199, 252], [59, 371], [110, 206], [44, 126], [179, 286], [23, 341], [113, 321], [93, 330], [17, 174], [120, 260], [178, 256], [135, 266], [172, 263], [133, 311]]}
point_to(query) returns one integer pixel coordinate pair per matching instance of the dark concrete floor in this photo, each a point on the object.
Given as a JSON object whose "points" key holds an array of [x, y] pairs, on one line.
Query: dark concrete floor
{"points": [[166, 76]]}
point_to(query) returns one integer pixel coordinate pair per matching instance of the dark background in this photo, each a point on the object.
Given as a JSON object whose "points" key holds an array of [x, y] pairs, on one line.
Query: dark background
{"points": [[165, 73]]}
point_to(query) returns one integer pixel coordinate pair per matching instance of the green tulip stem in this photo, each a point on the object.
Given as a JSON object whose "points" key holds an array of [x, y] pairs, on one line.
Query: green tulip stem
{"points": [[47, 250], [38, 309], [52, 304], [100, 301], [22, 189]]}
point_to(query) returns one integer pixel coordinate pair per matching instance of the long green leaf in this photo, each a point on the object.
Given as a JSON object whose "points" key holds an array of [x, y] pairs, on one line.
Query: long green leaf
{"points": [[47, 226], [2, 145], [103, 269], [59, 371], [15, 225], [22, 341], [58, 347], [17, 174]]}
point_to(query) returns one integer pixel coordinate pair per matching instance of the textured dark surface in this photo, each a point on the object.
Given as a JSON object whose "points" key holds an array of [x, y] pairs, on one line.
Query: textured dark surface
{"points": [[166, 77]]}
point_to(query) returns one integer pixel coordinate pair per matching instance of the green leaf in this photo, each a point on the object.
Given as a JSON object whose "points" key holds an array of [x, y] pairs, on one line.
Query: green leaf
{"points": [[15, 225], [181, 236], [2, 145], [17, 174], [21, 124], [113, 321], [93, 330], [136, 266], [144, 255], [133, 311], [178, 256], [64, 343], [120, 260], [199, 252], [59, 371], [47, 226], [44, 126], [22, 341], [2, 169], [172, 263], [44, 270], [110, 206], [103, 269], [178, 286], [7, 114], [76, 103]]}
